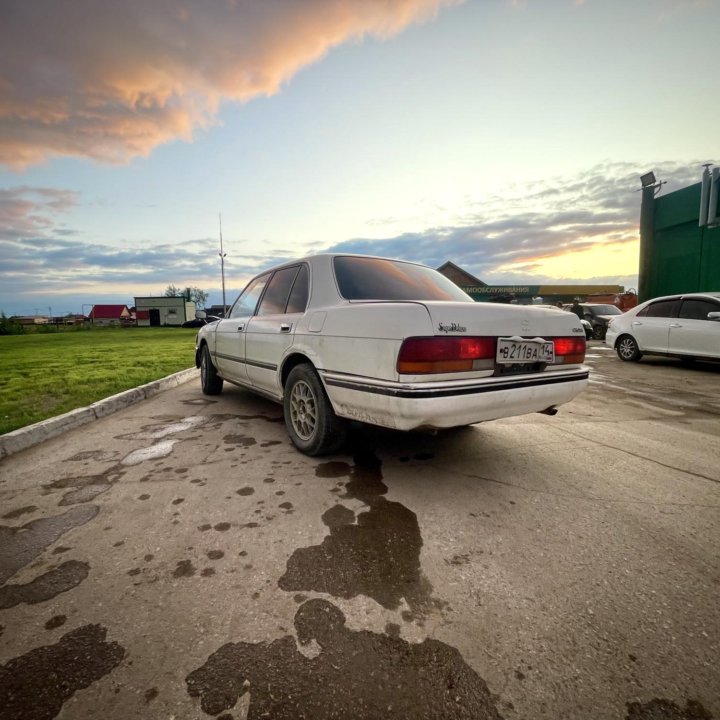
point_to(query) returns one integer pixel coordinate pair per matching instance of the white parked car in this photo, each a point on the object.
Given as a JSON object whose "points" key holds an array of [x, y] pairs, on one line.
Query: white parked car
{"points": [[685, 326], [390, 343]]}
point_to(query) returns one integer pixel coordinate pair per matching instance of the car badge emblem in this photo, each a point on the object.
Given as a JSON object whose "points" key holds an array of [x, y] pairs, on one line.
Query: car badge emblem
{"points": [[451, 327]]}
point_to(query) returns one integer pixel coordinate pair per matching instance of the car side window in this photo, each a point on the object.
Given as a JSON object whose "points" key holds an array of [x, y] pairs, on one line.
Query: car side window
{"points": [[276, 296], [246, 303], [697, 309], [300, 292], [662, 308]]}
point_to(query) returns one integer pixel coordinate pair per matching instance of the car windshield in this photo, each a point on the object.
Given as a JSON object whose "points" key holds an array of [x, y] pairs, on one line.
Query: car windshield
{"points": [[360, 278], [606, 310]]}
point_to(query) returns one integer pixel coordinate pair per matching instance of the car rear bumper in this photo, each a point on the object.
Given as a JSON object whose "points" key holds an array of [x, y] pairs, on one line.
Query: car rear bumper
{"points": [[408, 406]]}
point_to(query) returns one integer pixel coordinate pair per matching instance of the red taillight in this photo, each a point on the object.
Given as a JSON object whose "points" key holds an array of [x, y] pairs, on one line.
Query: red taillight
{"points": [[444, 354], [569, 349]]}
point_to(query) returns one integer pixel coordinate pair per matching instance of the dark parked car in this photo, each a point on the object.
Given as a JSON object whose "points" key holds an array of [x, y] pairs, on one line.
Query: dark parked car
{"points": [[200, 320], [598, 314], [587, 327]]}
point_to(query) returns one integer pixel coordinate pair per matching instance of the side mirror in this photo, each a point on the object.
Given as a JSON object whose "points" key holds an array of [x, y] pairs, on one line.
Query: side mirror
{"points": [[200, 314], [713, 316]]}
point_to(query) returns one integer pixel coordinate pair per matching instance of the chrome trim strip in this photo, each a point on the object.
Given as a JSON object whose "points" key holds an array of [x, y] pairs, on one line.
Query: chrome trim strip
{"points": [[447, 390], [254, 363]]}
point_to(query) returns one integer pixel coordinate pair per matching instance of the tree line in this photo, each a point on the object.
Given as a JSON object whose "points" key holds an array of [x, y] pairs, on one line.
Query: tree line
{"points": [[193, 294]]}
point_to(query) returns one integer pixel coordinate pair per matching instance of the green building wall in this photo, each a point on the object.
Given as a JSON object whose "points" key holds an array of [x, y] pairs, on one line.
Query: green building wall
{"points": [[677, 256]]}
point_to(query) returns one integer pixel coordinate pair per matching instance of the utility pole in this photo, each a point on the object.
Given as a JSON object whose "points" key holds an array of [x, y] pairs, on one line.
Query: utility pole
{"points": [[222, 266]]}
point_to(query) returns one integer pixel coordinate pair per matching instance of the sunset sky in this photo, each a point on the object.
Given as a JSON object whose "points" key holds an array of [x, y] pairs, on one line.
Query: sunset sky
{"points": [[505, 135]]}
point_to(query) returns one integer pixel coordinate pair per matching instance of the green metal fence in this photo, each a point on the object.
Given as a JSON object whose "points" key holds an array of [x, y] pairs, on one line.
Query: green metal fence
{"points": [[676, 256]]}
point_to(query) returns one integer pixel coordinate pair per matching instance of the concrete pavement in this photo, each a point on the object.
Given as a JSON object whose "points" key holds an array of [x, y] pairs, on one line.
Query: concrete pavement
{"points": [[180, 559]]}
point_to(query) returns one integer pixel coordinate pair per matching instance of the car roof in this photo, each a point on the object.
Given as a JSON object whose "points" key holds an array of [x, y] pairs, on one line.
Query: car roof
{"points": [[682, 296], [331, 256]]}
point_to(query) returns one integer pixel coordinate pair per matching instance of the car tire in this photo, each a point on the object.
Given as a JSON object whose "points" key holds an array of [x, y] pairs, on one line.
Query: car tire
{"points": [[599, 332], [627, 349], [311, 422], [210, 381]]}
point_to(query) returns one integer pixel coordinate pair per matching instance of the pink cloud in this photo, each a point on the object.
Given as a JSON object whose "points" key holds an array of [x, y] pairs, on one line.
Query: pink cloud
{"points": [[113, 80]]}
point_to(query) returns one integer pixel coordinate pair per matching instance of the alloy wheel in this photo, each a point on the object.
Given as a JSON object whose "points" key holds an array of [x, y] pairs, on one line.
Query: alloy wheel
{"points": [[627, 348], [303, 410]]}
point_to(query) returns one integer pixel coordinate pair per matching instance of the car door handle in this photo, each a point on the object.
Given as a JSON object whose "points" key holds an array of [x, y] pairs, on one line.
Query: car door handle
{"points": [[635, 322], [675, 325], [241, 327], [284, 327]]}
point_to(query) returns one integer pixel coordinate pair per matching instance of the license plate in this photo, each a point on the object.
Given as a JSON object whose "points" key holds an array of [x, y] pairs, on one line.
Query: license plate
{"points": [[524, 351]]}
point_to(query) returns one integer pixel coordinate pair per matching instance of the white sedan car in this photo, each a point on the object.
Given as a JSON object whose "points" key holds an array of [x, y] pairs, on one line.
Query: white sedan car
{"points": [[347, 337], [685, 326]]}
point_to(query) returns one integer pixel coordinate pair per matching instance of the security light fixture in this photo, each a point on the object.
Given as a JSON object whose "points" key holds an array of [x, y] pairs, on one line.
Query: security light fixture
{"points": [[647, 179]]}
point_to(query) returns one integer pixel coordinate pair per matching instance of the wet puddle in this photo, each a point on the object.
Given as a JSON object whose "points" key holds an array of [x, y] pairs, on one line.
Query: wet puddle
{"points": [[661, 709], [352, 674], [19, 512], [19, 546], [375, 552], [65, 577], [34, 686]]}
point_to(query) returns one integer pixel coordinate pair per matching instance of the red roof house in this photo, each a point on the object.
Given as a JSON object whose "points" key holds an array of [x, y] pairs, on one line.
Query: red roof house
{"points": [[109, 314]]}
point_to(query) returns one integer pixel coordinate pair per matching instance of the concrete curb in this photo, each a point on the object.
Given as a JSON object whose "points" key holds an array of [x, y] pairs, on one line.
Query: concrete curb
{"points": [[26, 437]]}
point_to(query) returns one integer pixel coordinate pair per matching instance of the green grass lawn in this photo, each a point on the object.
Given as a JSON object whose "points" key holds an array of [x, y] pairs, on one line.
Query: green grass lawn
{"points": [[46, 374]]}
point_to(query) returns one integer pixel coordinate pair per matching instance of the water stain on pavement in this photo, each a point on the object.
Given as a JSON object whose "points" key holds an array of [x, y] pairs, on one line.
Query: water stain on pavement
{"points": [[376, 553], [332, 469], [356, 674], [85, 488], [100, 455], [184, 569], [55, 621], [241, 440], [19, 511], [165, 428], [83, 494], [267, 418], [158, 450], [34, 686], [20, 546], [661, 709], [65, 577]]}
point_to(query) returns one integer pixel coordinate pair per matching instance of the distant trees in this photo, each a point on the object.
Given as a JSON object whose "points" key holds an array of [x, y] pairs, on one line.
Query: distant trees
{"points": [[8, 326], [194, 294]]}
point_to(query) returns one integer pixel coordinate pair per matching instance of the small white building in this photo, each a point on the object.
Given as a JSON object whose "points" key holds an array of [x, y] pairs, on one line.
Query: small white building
{"points": [[160, 311]]}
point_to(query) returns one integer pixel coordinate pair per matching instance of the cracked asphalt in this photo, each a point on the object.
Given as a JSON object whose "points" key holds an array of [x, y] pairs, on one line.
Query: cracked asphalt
{"points": [[179, 559]]}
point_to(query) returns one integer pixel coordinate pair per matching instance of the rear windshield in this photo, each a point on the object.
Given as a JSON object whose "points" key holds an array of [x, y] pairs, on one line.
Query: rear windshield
{"points": [[606, 310], [374, 279]]}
